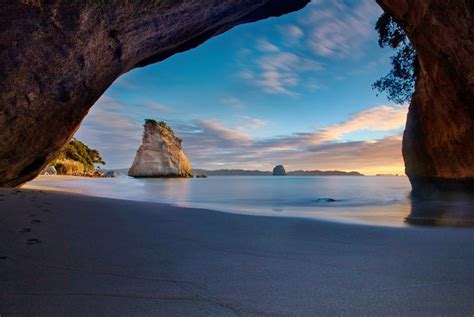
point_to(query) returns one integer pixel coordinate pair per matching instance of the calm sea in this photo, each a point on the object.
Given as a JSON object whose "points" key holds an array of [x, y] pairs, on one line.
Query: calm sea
{"points": [[381, 200]]}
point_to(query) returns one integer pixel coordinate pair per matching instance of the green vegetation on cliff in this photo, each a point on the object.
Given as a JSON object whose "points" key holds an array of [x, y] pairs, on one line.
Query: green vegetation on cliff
{"points": [[161, 124], [76, 158], [151, 121]]}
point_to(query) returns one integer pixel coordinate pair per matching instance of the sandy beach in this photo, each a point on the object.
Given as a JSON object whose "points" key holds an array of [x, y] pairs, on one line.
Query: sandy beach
{"points": [[67, 254]]}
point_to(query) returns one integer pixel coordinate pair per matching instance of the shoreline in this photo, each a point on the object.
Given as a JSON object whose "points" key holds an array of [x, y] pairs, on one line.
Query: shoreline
{"points": [[99, 256], [392, 215]]}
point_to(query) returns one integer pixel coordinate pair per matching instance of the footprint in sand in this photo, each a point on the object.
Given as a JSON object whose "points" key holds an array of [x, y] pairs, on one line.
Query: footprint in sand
{"points": [[33, 241], [3, 257], [25, 230], [35, 221]]}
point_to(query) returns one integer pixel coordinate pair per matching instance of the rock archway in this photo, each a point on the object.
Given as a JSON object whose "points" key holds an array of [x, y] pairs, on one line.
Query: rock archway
{"points": [[57, 58]]}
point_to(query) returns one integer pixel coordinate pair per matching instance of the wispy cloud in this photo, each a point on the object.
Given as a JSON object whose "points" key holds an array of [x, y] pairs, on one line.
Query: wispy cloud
{"points": [[379, 118], [106, 115], [233, 101], [210, 144], [328, 30], [265, 46], [214, 134], [158, 107], [235, 150], [277, 73], [291, 32], [339, 29], [368, 156], [125, 82], [250, 122]]}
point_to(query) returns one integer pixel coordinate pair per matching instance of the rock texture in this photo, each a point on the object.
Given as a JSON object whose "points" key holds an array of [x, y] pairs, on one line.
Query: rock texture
{"points": [[438, 143], [49, 170], [160, 154], [279, 170], [57, 57], [112, 174]]}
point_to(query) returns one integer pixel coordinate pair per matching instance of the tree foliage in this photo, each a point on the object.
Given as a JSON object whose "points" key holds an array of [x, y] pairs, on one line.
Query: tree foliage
{"points": [[77, 151], [399, 83], [161, 123], [151, 121]]}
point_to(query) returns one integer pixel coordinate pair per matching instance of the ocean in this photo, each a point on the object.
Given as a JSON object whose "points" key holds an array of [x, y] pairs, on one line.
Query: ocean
{"points": [[382, 200]]}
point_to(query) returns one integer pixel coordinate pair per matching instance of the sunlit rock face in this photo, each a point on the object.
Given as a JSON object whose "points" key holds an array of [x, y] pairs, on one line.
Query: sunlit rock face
{"points": [[438, 143], [160, 154], [57, 58]]}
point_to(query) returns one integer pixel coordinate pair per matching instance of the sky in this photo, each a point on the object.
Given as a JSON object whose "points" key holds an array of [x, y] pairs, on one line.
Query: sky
{"points": [[294, 90]]}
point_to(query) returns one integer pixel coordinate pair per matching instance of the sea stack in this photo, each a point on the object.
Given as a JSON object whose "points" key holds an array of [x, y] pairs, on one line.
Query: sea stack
{"points": [[279, 170], [160, 154]]}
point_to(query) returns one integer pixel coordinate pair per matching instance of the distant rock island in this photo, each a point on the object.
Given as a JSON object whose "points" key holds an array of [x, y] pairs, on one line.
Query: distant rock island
{"points": [[160, 154], [279, 170], [241, 172]]}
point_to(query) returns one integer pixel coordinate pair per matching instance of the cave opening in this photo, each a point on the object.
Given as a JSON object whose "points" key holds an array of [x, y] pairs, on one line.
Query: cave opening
{"points": [[290, 83], [268, 64]]}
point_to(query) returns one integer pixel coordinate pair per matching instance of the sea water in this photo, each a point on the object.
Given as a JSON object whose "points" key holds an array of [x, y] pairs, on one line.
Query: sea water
{"points": [[381, 199]]}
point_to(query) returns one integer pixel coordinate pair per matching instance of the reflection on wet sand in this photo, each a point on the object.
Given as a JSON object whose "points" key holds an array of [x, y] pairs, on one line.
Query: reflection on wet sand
{"points": [[443, 209]]}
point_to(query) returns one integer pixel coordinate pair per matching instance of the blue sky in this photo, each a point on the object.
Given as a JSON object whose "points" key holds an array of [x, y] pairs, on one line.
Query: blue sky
{"points": [[294, 90]]}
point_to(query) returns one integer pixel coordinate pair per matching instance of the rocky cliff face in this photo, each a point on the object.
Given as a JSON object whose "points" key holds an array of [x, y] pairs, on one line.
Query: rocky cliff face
{"points": [[57, 57], [438, 143], [160, 154]]}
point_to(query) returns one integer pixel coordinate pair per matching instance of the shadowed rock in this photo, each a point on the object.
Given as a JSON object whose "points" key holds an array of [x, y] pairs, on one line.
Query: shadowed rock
{"points": [[279, 170], [438, 143]]}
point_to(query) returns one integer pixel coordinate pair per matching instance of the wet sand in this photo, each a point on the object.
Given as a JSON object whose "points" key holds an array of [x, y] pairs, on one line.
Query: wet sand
{"points": [[67, 254]]}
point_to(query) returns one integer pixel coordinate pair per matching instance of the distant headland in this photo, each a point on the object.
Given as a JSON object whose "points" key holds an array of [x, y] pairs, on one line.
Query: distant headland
{"points": [[242, 172]]}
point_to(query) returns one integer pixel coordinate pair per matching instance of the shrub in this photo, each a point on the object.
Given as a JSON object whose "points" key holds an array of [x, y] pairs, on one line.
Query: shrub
{"points": [[68, 167]]}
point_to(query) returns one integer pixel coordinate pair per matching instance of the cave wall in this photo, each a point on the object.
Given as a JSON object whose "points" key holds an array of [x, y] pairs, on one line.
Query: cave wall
{"points": [[57, 57], [438, 142]]}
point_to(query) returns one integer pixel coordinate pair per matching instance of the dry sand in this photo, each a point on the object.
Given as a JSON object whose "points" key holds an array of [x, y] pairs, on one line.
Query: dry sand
{"points": [[63, 254]]}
